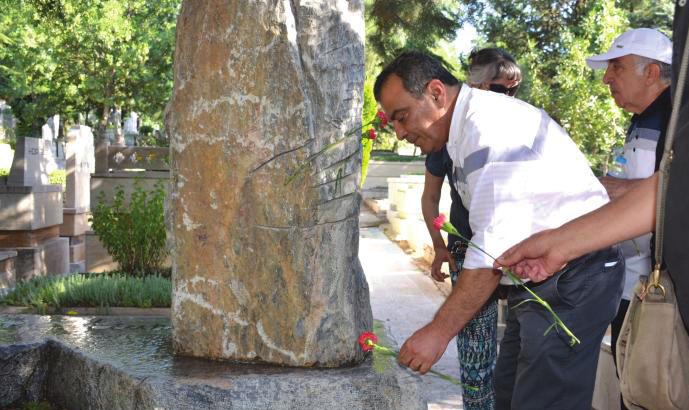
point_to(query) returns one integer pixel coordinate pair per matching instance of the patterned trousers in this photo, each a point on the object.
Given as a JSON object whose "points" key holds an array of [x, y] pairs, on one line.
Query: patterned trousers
{"points": [[477, 347]]}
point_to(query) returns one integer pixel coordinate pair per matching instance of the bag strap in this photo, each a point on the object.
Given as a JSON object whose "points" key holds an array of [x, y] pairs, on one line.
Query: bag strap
{"points": [[664, 171]]}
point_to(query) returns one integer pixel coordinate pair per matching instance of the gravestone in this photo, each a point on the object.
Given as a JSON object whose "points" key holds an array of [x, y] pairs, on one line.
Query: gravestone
{"points": [[7, 121], [79, 151], [114, 130], [264, 200], [6, 155], [54, 124], [29, 163], [49, 133], [32, 214], [131, 129], [3, 107]]}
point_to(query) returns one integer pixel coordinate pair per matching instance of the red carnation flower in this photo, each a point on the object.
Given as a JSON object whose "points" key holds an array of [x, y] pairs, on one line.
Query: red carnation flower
{"points": [[383, 118], [367, 341], [439, 221], [371, 133]]}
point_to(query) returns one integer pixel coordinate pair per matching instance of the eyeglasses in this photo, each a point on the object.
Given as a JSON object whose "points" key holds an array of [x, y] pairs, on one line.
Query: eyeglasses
{"points": [[501, 89]]}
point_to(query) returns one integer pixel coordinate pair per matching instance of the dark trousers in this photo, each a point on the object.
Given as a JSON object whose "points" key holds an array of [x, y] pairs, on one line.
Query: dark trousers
{"points": [[544, 372]]}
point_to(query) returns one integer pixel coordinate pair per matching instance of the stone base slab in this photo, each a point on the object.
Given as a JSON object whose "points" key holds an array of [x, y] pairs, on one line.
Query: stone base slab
{"points": [[130, 369], [15, 239], [67, 378], [77, 253], [26, 208], [74, 223], [77, 267], [7, 269], [49, 258]]}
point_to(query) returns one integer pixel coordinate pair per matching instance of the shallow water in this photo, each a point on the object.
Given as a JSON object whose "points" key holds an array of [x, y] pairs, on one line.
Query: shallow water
{"points": [[142, 345]]}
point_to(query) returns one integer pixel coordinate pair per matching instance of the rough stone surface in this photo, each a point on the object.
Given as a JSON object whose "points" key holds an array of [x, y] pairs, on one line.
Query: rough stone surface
{"points": [[91, 362], [264, 197], [22, 373]]}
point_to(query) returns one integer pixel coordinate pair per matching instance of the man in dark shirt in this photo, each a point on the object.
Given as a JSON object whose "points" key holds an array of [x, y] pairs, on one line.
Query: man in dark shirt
{"points": [[439, 165], [638, 72]]}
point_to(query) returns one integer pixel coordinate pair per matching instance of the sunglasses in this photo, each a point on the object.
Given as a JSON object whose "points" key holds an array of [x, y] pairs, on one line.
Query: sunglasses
{"points": [[501, 89]]}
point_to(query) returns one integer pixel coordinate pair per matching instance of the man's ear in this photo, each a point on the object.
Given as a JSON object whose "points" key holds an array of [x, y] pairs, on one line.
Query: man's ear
{"points": [[437, 91], [652, 73]]}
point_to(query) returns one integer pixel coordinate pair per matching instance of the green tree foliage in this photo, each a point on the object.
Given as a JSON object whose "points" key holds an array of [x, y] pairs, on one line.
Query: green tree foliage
{"points": [[551, 40], [368, 114], [394, 25], [74, 56], [649, 13]]}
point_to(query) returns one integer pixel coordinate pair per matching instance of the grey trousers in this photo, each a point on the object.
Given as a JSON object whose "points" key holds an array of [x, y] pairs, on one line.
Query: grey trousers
{"points": [[539, 372]]}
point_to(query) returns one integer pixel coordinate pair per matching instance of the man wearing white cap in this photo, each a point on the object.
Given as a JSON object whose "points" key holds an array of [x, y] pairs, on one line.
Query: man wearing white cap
{"points": [[638, 72]]}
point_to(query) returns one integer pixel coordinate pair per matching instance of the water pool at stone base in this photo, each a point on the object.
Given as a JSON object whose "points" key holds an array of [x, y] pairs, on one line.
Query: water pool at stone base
{"points": [[118, 362]]}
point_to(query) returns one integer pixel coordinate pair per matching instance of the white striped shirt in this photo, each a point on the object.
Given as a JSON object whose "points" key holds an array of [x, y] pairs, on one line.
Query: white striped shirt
{"points": [[517, 171]]}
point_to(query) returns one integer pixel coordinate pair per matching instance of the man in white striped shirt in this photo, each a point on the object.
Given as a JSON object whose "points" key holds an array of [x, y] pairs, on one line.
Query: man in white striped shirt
{"points": [[518, 173]]}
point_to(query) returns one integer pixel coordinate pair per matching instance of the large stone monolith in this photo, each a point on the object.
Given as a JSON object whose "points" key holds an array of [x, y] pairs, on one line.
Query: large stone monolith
{"points": [[264, 199]]}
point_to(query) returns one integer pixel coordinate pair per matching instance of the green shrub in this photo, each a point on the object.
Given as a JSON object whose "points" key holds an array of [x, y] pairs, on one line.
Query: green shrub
{"points": [[4, 172], [133, 235], [92, 290]]}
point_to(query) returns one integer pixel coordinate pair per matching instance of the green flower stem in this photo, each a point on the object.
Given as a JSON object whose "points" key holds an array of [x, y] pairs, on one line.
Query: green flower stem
{"points": [[573, 340], [329, 147], [389, 352]]}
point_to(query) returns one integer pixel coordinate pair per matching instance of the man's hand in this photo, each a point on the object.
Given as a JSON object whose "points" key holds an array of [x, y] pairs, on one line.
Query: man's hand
{"points": [[424, 348], [441, 255], [536, 258]]}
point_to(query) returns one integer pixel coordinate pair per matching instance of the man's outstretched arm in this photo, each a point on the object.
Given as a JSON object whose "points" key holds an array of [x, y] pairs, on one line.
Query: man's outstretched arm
{"points": [[545, 253], [425, 347]]}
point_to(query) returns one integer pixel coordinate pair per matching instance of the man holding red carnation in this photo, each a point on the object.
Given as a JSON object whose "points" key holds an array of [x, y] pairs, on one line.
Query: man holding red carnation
{"points": [[518, 173]]}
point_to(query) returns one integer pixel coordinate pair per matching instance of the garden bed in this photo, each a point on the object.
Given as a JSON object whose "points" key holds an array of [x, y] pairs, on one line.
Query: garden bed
{"points": [[99, 292]]}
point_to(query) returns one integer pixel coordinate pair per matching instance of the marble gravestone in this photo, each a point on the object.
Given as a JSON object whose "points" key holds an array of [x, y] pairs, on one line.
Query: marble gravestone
{"points": [[131, 129], [31, 213], [264, 198], [49, 134], [80, 162]]}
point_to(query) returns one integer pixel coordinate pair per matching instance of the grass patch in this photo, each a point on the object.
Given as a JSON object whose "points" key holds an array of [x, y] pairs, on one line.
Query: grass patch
{"points": [[92, 290]]}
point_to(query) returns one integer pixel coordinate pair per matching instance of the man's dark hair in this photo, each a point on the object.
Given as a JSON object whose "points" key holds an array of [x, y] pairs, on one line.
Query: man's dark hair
{"points": [[416, 69]]}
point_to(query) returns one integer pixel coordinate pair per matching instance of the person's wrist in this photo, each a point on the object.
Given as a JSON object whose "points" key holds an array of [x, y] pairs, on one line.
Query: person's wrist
{"points": [[442, 330], [560, 244]]}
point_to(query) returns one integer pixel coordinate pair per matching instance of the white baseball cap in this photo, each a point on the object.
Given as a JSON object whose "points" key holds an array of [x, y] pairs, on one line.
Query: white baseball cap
{"points": [[644, 42]]}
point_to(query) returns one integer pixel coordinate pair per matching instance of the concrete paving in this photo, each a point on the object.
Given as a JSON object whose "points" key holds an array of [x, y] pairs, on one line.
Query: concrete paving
{"points": [[405, 299]]}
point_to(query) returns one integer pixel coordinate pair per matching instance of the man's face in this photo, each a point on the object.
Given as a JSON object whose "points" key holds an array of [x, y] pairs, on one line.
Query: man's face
{"points": [[627, 86], [417, 120]]}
